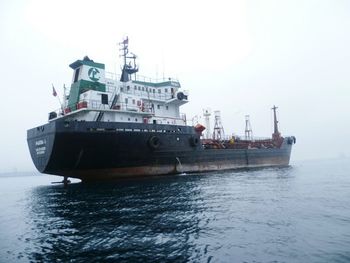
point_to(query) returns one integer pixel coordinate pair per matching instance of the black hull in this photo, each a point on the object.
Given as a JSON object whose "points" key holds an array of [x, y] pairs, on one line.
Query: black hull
{"points": [[104, 150]]}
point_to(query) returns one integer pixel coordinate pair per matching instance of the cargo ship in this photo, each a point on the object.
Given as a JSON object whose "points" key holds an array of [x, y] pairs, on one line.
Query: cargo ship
{"points": [[113, 126]]}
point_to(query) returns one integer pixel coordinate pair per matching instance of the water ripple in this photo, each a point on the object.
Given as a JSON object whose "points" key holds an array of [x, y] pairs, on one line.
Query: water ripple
{"points": [[295, 214]]}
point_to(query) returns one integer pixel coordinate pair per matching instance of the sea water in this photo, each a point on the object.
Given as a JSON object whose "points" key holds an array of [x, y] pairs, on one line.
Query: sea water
{"points": [[295, 214]]}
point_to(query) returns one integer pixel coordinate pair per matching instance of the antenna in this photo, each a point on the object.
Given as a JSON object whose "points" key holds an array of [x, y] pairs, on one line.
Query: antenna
{"points": [[218, 133], [124, 48], [248, 129], [207, 114]]}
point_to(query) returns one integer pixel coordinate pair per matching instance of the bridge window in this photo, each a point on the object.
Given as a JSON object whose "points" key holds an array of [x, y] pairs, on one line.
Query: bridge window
{"points": [[76, 76]]}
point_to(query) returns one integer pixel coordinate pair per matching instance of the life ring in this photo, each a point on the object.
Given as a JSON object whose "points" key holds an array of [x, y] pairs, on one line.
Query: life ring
{"points": [[154, 142], [194, 141]]}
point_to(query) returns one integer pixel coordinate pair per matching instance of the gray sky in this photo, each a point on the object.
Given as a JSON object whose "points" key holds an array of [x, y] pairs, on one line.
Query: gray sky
{"points": [[240, 57]]}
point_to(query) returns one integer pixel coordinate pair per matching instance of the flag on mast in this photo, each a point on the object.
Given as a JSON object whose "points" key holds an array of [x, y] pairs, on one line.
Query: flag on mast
{"points": [[54, 93]]}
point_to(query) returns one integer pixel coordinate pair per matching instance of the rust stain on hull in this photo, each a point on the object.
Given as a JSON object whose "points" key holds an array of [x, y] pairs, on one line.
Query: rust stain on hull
{"points": [[142, 171]]}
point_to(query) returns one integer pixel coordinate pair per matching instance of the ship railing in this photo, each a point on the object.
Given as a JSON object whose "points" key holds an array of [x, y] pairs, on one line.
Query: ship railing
{"points": [[120, 106], [154, 80], [244, 138], [96, 105], [111, 89], [141, 78], [111, 75], [148, 94]]}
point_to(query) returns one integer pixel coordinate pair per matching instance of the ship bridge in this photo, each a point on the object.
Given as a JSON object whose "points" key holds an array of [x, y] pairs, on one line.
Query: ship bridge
{"points": [[96, 95]]}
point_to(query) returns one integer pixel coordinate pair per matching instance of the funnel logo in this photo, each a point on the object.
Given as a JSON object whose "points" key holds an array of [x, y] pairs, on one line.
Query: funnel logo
{"points": [[94, 74]]}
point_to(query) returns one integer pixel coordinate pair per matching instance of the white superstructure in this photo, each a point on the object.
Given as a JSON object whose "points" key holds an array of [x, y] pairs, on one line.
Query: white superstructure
{"points": [[99, 96]]}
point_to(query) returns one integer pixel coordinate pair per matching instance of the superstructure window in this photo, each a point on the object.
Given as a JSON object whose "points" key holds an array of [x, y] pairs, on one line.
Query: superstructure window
{"points": [[104, 98], [76, 75], [159, 91], [158, 106], [167, 107], [133, 101], [126, 100], [166, 90]]}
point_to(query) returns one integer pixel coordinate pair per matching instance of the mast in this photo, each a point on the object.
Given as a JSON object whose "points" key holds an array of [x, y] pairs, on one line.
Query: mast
{"points": [[127, 69], [276, 133], [206, 114], [248, 129], [218, 133]]}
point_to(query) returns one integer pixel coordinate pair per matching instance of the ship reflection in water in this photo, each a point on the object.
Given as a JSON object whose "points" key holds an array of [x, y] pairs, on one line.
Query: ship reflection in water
{"points": [[156, 219], [264, 215]]}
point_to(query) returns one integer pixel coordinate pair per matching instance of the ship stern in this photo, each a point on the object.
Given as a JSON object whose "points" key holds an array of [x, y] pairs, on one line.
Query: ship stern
{"points": [[40, 143]]}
